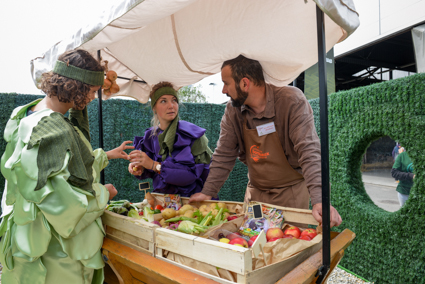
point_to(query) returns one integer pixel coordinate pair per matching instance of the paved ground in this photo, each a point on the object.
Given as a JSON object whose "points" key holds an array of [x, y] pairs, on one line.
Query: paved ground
{"points": [[381, 188]]}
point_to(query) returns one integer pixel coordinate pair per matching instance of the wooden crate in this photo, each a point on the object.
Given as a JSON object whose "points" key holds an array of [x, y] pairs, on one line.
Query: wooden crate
{"points": [[134, 233], [232, 258]]}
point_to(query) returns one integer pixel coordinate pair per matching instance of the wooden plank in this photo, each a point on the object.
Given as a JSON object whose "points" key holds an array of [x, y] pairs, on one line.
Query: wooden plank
{"points": [[204, 274], [139, 266], [305, 272], [130, 241], [135, 227], [334, 263], [272, 273], [296, 215], [233, 258], [110, 276]]}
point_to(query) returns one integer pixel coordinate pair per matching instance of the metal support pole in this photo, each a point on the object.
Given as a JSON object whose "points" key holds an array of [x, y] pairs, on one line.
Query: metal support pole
{"points": [[100, 116], [324, 142], [294, 83]]}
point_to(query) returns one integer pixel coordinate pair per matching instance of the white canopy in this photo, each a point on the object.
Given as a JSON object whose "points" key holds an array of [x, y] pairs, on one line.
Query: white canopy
{"points": [[183, 41]]}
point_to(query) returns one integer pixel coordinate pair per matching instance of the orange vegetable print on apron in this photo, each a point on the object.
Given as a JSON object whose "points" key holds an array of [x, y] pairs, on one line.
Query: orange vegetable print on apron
{"points": [[271, 178]]}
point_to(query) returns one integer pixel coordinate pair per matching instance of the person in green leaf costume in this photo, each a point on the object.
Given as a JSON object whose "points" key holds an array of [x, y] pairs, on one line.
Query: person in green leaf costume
{"points": [[403, 171], [51, 228]]}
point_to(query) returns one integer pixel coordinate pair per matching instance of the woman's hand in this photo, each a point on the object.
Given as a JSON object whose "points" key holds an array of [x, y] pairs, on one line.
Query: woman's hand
{"points": [[119, 153], [140, 158], [112, 190], [135, 169]]}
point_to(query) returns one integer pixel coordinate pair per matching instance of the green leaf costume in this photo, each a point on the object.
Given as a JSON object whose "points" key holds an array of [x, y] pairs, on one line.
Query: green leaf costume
{"points": [[51, 228]]}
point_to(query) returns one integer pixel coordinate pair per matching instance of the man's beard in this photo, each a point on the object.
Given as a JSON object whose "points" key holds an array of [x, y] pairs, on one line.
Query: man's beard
{"points": [[241, 98]]}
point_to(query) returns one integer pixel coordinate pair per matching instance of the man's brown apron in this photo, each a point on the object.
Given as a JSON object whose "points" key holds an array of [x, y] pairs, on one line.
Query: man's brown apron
{"points": [[271, 179]]}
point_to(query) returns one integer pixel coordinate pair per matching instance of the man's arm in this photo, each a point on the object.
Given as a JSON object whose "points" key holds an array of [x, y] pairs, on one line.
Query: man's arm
{"points": [[223, 159], [307, 145]]}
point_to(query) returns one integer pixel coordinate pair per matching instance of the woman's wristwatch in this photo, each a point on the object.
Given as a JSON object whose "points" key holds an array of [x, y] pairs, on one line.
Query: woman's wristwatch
{"points": [[158, 168]]}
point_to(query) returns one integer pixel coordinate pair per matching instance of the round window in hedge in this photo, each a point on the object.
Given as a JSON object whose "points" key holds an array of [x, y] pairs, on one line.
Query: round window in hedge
{"points": [[389, 246]]}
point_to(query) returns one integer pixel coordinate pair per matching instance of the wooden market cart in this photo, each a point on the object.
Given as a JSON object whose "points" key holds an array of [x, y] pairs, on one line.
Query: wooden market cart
{"points": [[133, 250], [127, 265]]}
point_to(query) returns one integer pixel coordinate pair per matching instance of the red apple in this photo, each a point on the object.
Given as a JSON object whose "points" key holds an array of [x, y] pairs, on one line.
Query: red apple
{"points": [[295, 231], [230, 218], [252, 240], [288, 237], [274, 233], [309, 232], [273, 239], [305, 237], [239, 241], [232, 236]]}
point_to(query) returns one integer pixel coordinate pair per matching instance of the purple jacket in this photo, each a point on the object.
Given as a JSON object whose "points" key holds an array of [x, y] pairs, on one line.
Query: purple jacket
{"points": [[179, 173]]}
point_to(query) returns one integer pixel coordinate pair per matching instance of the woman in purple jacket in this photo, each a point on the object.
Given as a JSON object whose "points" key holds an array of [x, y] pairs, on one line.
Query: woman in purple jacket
{"points": [[173, 152]]}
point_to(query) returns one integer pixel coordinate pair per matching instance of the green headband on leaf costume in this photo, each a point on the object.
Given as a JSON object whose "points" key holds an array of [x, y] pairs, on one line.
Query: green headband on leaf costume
{"points": [[94, 78], [163, 91]]}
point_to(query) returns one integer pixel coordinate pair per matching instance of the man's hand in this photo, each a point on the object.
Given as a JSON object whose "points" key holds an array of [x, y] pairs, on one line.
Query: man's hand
{"points": [[199, 197], [112, 190], [119, 153], [335, 218]]}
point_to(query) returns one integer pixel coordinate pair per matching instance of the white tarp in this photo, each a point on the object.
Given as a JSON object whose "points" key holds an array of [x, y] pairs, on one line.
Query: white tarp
{"points": [[183, 41]]}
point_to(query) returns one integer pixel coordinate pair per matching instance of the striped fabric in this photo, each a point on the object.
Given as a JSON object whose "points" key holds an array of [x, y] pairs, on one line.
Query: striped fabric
{"points": [[55, 136]]}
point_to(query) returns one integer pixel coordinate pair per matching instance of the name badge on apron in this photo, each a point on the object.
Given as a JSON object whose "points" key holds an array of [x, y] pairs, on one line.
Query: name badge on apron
{"points": [[266, 128]]}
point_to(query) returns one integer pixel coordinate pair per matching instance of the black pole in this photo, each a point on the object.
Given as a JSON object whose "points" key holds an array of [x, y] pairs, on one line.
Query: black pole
{"points": [[324, 143], [99, 108]]}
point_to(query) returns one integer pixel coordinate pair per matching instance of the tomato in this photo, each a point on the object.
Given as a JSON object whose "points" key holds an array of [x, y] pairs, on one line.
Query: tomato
{"points": [[159, 207], [141, 213]]}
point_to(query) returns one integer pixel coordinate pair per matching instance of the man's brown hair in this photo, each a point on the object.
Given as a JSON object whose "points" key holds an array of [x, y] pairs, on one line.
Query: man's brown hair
{"points": [[243, 67]]}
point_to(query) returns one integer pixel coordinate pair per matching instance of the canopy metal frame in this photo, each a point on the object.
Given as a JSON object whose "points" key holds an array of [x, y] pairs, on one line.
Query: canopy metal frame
{"points": [[324, 141]]}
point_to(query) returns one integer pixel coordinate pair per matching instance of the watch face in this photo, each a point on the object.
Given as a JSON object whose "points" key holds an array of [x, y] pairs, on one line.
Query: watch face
{"points": [[158, 167]]}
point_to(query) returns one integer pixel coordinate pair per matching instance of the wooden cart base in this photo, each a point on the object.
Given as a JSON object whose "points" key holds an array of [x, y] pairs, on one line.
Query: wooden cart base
{"points": [[131, 266]]}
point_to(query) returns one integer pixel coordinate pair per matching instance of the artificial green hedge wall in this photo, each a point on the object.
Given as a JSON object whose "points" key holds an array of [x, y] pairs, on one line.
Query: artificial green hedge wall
{"points": [[124, 119], [389, 247]]}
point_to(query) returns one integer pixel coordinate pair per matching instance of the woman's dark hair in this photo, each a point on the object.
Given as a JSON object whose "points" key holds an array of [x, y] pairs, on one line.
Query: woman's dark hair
{"points": [[66, 89], [243, 67]]}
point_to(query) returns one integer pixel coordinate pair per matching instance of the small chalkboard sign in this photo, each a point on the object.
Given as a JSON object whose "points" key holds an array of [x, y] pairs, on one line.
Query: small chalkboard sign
{"points": [[257, 210], [144, 186]]}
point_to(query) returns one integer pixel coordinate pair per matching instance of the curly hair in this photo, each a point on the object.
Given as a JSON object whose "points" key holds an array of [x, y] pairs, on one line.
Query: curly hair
{"points": [[66, 89], [243, 67]]}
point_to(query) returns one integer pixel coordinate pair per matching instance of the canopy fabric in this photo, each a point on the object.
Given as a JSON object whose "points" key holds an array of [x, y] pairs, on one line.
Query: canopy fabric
{"points": [[183, 41]]}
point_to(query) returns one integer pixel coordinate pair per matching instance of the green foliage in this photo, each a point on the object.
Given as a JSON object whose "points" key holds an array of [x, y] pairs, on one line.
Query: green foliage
{"points": [[389, 245], [191, 94]]}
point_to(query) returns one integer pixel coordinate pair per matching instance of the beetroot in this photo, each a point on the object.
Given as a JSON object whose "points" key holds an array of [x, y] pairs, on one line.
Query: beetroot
{"points": [[173, 227], [156, 223]]}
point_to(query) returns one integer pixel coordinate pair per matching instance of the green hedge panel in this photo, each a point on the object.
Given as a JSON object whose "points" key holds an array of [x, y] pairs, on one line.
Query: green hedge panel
{"points": [[389, 245]]}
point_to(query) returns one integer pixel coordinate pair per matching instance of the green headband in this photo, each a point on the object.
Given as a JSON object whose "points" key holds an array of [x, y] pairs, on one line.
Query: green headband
{"points": [[94, 78], [163, 91]]}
